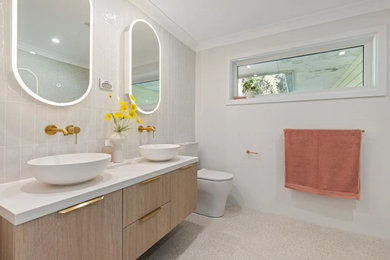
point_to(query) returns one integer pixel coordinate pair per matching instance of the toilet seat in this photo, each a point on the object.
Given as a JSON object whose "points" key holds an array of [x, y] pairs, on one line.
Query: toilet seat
{"points": [[210, 175]]}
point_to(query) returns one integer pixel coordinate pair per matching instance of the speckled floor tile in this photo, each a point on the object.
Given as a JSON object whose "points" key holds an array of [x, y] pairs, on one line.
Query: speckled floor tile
{"points": [[249, 234]]}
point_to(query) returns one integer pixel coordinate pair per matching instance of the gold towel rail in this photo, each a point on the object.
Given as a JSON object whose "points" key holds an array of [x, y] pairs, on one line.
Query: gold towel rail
{"points": [[250, 152]]}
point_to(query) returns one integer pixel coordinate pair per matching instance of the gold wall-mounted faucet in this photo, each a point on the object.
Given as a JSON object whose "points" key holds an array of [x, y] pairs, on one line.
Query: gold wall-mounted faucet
{"points": [[69, 130], [52, 130], [147, 129]]}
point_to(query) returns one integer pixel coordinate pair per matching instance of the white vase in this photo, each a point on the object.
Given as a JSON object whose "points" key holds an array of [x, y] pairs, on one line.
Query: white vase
{"points": [[117, 140]]}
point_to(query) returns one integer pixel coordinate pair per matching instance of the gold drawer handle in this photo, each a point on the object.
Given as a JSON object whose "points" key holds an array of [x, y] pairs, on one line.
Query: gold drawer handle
{"points": [[83, 204], [152, 179], [149, 215], [186, 167]]}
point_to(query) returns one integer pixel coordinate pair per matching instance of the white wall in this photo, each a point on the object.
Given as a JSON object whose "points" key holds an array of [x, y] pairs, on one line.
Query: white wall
{"points": [[225, 132], [22, 119]]}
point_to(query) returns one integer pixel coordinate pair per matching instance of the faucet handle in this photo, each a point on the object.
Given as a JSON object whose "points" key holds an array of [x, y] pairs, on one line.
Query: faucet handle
{"points": [[70, 129], [73, 130], [77, 130]]}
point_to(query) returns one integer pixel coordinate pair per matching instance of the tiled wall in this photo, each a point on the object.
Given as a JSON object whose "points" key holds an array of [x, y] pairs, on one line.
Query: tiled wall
{"points": [[22, 119]]}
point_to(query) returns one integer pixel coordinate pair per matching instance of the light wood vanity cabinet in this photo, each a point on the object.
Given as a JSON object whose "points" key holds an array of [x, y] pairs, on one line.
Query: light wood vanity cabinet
{"points": [[144, 197], [90, 232], [184, 193], [123, 225], [155, 207], [144, 233]]}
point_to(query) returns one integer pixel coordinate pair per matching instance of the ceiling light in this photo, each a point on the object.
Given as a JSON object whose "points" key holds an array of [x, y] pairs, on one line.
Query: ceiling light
{"points": [[248, 66], [32, 52], [55, 40], [341, 53]]}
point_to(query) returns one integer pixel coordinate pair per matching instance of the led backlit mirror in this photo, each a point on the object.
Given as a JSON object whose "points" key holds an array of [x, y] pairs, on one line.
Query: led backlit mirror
{"points": [[144, 66], [51, 49]]}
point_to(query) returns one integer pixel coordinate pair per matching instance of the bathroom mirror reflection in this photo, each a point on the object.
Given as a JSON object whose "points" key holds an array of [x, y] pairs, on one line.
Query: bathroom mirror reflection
{"points": [[144, 69], [51, 49]]}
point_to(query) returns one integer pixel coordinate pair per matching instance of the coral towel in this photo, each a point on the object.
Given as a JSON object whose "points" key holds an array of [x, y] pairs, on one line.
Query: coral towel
{"points": [[324, 162]]}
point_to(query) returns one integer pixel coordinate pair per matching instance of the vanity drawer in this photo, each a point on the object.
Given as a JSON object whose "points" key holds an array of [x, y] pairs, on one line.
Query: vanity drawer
{"points": [[142, 198], [145, 232], [184, 193]]}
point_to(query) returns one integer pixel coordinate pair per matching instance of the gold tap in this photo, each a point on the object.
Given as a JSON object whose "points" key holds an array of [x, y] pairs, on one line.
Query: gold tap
{"points": [[69, 130], [73, 130], [52, 130], [147, 129]]}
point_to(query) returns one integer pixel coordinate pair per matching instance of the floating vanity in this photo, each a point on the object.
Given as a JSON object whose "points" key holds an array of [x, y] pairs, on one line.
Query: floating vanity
{"points": [[118, 215]]}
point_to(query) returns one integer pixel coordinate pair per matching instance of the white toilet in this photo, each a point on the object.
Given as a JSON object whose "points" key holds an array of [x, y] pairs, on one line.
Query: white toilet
{"points": [[213, 186], [213, 189]]}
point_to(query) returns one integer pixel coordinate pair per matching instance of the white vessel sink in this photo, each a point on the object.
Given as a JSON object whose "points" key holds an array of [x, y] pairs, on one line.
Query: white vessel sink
{"points": [[67, 169], [159, 152]]}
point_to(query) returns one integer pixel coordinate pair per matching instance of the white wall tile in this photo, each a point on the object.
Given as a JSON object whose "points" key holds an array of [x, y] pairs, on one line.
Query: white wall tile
{"points": [[12, 123], [27, 153], [2, 164], [12, 163], [23, 119], [27, 123], [2, 123], [41, 121]]}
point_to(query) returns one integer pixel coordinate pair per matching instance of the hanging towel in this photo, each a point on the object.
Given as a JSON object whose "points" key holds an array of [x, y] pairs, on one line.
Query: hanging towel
{"points": [[323, 162]]}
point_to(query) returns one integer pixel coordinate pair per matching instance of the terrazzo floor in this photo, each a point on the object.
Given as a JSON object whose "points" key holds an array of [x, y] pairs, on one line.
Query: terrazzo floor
{"points": [[248, 234]]}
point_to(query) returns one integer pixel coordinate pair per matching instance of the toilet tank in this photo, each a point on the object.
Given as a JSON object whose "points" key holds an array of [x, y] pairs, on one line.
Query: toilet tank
{"points": [[189, 149]]}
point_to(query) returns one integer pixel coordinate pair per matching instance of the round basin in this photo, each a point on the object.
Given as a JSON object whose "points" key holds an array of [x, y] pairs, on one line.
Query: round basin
{"points": [[159, 152], [68, 169]]}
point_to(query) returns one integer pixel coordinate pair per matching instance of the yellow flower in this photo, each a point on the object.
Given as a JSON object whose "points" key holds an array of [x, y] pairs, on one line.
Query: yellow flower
{"points": [[133, 107], [122, 102], [124, 107], [127, 116], [108, 116], [118, 114], [132, 114], [132, 97], [109, 95], [139, 120]]}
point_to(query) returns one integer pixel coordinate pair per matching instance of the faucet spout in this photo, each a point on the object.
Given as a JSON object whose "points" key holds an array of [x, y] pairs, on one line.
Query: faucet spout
{"points": [[63, 131], [147, 129], [52, 130]]}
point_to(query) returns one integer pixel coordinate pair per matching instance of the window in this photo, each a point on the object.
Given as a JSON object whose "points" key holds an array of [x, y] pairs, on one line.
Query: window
{"points": [[147, 93], [339, 69]]}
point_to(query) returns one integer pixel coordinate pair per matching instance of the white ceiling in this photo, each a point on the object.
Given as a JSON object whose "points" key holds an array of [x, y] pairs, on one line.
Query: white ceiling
{"points": [[145, 46], [41, 20], [209, 23]]}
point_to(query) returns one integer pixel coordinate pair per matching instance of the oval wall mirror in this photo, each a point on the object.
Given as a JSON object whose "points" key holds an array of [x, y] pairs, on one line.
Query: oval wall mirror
{"points": [[52, 49], [144, 66]]}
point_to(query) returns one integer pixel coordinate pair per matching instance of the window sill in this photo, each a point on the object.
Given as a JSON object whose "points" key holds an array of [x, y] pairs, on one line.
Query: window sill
{"points": [[306, 96]]}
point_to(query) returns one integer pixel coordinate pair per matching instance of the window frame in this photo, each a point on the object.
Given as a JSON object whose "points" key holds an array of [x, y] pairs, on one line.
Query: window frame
{"points": [[374, 41]]}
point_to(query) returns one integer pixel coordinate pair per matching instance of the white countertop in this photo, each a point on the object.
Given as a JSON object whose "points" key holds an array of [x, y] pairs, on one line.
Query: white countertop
{"points": [[28, 199]]}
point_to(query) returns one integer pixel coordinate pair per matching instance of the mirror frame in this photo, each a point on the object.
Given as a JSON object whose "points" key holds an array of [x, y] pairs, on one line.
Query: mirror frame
{"points": [[129, 68], [15, 58]]}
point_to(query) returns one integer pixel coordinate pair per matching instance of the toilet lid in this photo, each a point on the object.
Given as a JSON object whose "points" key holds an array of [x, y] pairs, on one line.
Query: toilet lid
{"points": [[210, 175]]}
